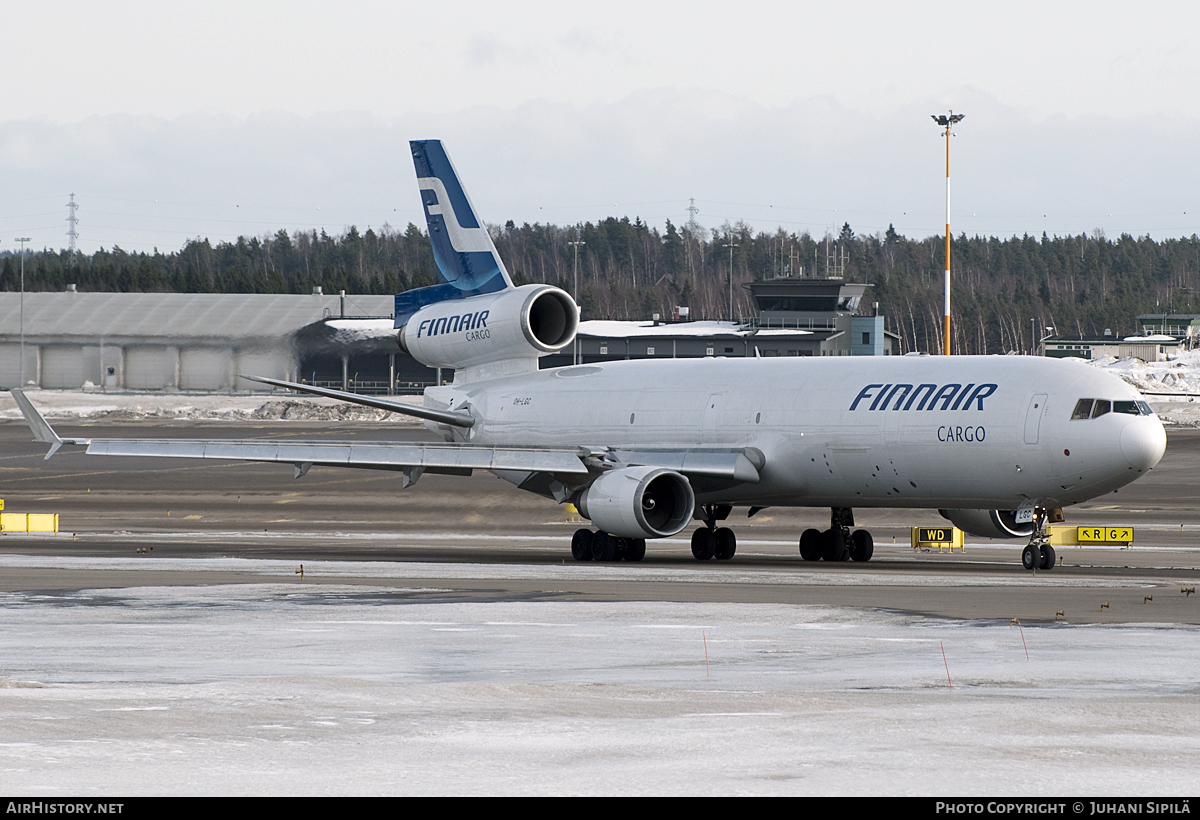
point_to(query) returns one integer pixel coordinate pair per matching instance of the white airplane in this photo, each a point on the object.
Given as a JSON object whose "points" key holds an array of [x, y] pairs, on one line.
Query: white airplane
{"points": [[997, 444]]}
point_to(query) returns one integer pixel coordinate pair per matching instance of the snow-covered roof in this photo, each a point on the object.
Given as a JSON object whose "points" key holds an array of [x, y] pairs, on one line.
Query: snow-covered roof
{"points": [[95, 316], [620, 330], [611, 329], [362, 330]]}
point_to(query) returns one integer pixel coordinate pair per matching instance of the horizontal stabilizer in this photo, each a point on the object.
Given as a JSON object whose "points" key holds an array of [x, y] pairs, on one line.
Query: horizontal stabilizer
{"points": [[419, 411]]}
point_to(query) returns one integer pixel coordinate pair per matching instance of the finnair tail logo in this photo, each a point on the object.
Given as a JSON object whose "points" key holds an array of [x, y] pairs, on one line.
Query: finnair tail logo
{"points": [[952, 396], [463, 240]]}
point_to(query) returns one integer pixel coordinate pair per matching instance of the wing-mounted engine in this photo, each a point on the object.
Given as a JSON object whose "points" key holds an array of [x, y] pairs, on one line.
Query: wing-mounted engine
{"points": [[492, 334], [639, 502], [989, 523]]}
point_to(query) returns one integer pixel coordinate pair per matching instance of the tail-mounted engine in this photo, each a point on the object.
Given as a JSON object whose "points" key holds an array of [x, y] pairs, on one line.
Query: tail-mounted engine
{"points": [[514, 324], [639, 502]]}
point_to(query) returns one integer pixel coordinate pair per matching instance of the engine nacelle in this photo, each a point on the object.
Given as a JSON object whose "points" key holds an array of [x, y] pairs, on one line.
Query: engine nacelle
{"points": [[989, 523], [639, 502], [518, 323]]}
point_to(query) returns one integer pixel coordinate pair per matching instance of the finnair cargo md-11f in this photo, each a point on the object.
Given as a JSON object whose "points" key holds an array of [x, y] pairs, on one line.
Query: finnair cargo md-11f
{"points": [[997, 444]]}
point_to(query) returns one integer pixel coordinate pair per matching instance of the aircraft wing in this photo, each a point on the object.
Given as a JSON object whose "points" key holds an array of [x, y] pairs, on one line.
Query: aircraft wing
{"points": [[566, 465], [433, 458], [410, 458]]}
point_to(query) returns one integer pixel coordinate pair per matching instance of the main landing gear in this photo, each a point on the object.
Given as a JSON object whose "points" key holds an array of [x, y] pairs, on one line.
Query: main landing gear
{"points": [[837, 543], [600, 546], [1038, 554], [711, 541]]}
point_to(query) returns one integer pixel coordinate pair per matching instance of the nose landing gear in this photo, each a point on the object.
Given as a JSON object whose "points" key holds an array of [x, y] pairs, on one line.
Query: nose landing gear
{"points": [[1038, 554]]}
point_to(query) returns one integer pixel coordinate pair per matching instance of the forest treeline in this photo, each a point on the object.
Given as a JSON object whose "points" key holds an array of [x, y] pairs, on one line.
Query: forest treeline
{"points": [[1004, 290]]}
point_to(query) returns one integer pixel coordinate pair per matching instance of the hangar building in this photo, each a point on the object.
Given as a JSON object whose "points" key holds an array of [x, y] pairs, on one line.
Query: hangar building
{"points": [[185, 341]]}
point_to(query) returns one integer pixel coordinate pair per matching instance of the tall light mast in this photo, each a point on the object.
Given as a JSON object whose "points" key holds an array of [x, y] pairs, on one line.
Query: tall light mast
{"points": [[731, 245], [947, 121], [23, 240], [576, 245]]}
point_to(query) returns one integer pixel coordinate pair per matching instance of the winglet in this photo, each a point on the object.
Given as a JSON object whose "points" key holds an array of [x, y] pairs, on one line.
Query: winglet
{"points": [[42, 431]]}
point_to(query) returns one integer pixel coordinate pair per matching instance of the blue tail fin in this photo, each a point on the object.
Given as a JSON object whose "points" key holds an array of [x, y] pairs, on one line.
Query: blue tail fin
{"points": [[467, 261]]}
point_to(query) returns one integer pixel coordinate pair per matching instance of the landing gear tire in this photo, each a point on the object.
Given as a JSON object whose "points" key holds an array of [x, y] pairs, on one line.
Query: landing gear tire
{"points": [[1047, 557], [726, 544], [604, 547], [833, 546], [1038, 554], [704, 544], [1031, 556], [862, 546], [635, 549], [810, 545], [581, 545]]}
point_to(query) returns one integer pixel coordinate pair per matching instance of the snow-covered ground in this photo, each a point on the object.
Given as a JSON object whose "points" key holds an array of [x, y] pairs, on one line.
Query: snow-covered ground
{"points": [[1172, 387], [339, 689]]}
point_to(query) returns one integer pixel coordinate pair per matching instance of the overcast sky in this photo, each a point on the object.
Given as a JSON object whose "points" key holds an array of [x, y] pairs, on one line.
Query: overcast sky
{"points": [[214, 119]]}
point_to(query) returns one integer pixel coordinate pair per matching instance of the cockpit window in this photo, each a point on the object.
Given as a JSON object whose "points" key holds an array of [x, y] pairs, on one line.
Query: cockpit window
{"points": [[1095, 408]]}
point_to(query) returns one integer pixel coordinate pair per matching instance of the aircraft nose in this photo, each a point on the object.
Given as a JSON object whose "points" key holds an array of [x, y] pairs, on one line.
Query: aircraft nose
{"points": [[1143, 442]]}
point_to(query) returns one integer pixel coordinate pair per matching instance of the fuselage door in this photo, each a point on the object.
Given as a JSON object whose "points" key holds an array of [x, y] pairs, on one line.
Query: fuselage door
{"points": [[714, 408], [1033, 418]]}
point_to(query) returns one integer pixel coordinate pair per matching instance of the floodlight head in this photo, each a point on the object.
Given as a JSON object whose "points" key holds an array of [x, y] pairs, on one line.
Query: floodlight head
{"points": [[956, 117], [940, 119]]}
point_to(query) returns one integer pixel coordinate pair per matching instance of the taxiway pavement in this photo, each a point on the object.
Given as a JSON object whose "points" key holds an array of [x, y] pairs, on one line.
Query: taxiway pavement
{"points": [[152, 510]]}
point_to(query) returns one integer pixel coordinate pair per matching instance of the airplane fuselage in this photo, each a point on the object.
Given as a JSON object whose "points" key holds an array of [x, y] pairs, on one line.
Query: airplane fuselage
{"points": [[961, 432]]}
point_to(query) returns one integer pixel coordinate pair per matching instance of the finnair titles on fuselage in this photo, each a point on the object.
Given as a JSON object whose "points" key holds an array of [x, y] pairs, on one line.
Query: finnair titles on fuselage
{"points": [[997, 444], [932, 395]]}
